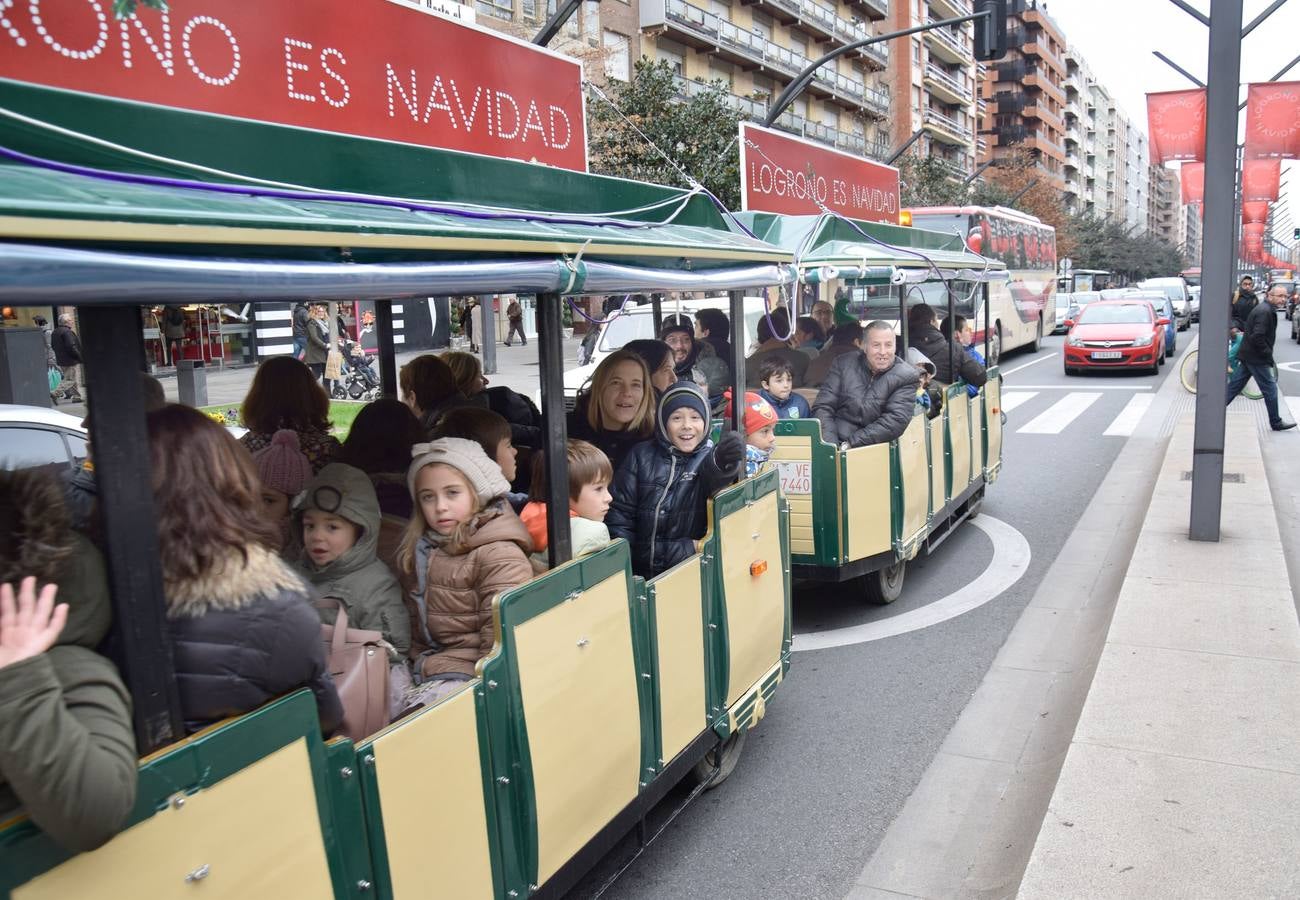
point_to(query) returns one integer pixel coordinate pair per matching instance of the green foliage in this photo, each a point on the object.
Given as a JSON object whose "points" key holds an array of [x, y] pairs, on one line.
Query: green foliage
{"points": [[1103, 244], [125, 9], [698, 133], [929, 181]]}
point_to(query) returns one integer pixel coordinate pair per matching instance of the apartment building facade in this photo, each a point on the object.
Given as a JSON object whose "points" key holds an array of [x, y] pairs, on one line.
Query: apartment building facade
{"points": [[934, 80], [757, 47], [1025, 93], [1165, 201]]}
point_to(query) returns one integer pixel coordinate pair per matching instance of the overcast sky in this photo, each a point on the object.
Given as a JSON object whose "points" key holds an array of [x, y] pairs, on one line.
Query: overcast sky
{"points": [[1117, 38]]}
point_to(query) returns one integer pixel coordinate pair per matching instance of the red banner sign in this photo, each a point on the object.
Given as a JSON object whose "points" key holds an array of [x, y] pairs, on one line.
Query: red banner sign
{"points": [[1254, 211], [1177, 123], [1192, 175], [1261, 179], [780, 173], [378, 69], [1273, 121]]}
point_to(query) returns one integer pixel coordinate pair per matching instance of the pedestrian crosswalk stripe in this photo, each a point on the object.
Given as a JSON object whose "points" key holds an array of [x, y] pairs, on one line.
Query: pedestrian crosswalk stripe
{"points": [[1060, 414], [1127, 421], [1293, 404], [1012, 399]]}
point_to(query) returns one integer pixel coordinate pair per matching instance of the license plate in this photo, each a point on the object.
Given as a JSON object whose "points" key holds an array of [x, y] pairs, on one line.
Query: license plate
{"points": [[1107, 354]]}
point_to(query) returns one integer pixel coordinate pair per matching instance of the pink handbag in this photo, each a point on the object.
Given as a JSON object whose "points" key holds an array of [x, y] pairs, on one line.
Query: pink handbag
{"points": [[358, 662]]}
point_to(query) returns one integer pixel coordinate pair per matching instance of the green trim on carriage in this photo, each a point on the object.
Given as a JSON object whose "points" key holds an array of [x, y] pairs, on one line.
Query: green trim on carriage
{"points": [[821, 240], [897, 497], [950, 489], [511, 759], [194, 765], [348, 815], [317, 159]]}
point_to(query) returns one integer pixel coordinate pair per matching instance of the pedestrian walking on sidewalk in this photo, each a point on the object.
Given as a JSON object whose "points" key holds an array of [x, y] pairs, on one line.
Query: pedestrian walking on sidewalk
{"points": [[1243, 301], [467, 323], [1256, 356], [515, 315], [301, 318], [67, 353]]}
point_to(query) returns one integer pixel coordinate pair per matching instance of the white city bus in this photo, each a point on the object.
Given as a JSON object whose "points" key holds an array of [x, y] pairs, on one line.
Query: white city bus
{"points": [[1021, 309]]}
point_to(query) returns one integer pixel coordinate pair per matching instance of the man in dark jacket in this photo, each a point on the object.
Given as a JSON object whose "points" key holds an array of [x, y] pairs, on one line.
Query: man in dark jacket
{"points": [[868, 397], [714, 328], [1243, 301], [67, 353], [678, 332], [301, 316], [1256, 356], [923, 334]]}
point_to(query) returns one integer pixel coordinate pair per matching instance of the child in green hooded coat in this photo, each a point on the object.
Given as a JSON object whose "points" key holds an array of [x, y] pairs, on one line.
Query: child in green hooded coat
{"points": [[336, 518]]}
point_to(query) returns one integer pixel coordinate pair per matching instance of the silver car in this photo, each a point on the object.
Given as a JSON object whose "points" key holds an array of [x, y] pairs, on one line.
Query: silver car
{"points": [[1175, 289]]}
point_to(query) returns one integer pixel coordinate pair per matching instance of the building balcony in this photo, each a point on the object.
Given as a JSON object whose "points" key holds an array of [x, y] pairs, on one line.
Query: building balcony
{"points": [[1072, 161], [949, 89], [981, 146], [754, 109], [950, 9], [879, 148], [815, 17], [877, 55], [947, 129], [875, 9], [948, 45]]}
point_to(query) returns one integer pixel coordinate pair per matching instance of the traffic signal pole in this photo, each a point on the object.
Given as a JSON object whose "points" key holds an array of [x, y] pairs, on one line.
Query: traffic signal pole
{"points": [[1219, 251]]}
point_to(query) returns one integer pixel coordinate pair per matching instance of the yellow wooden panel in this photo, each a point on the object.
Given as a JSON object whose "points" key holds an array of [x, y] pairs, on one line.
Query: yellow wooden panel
{"points": [[579, 685], [867, 500], [993, 404], [802, 546], [755, 603], [937, 497], [257, 833], [801, 520], [679, 630], [439, 855], [913, 464], [793, 447], [977, 436], [958, 416]]}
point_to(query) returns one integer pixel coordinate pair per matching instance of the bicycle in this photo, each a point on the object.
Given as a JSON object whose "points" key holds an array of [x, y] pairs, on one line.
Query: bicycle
{"points": [[1187, 373]]}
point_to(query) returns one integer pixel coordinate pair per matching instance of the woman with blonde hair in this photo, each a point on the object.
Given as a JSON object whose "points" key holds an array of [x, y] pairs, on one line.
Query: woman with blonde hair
{"points": [[617, 411]]}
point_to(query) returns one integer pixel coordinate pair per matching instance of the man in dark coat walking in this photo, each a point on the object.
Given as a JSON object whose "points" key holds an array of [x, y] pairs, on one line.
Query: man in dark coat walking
{"points": [[301, 316], [67, 353], [868, 397], [515, 320], [1256, 356]]}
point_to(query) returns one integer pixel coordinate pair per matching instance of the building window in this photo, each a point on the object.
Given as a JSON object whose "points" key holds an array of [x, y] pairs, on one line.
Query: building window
{"points": [[617, 56], [916, 52], [676, 61], [762, 24], [591, 22]]}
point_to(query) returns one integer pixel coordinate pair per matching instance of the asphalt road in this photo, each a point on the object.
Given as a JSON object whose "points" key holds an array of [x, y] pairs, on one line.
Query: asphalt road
{"points": [[853, 728]]}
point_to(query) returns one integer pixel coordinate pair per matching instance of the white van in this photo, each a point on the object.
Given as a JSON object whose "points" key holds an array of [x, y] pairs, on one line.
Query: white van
{"points": [[637, 323]]}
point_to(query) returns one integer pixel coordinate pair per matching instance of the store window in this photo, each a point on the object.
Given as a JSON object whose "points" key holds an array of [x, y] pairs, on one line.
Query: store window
{"points": [[617, 56]]}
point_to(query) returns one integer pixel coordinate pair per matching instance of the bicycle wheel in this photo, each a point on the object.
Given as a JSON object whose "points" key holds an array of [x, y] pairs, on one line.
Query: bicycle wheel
{"points": [[1187, 372], [1253, 392]]}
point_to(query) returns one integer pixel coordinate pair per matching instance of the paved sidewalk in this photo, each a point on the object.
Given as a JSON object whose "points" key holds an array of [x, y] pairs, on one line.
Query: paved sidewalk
{"points": [[1183, 775], [517, 368]]}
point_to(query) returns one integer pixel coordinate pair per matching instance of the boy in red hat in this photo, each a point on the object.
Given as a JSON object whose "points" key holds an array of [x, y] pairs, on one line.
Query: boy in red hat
{"points": [[760, 431]]}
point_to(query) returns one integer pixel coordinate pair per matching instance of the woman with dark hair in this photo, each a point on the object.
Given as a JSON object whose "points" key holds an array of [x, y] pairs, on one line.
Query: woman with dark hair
{"points": [[242, 625], [285, 394], [617, 411], [658, 359], [380, 445], [524, 417], [429, 388]]}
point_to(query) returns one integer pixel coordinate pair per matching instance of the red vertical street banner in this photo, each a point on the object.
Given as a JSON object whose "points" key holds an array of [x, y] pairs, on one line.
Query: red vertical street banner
{"points": [[1254, 211], [780, 173], [1273, 121], [372, 68], [1176, 120], [1192, 176], [1261, 179]]}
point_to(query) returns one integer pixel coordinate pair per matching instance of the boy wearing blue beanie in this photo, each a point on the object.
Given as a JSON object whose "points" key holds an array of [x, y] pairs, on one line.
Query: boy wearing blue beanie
{"points": [[662, 488]]}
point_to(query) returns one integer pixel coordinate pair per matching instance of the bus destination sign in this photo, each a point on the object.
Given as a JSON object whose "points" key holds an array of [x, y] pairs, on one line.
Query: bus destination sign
{"points": [[781, 173], [378, 69]]}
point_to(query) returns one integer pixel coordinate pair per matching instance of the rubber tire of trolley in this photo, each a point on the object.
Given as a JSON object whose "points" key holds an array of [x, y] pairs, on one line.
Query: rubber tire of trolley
{"points": [[974, 505], [731, 750], [882, 587]]}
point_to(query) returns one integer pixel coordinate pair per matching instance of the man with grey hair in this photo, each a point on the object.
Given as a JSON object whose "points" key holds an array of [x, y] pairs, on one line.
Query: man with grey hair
{"points": [[67, 353], [1256, 356], [868, 397]]}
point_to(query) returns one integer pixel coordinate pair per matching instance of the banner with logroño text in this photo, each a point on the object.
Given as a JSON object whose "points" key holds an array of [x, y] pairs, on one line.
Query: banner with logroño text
{"points": [[781, 173], [378, 69]]}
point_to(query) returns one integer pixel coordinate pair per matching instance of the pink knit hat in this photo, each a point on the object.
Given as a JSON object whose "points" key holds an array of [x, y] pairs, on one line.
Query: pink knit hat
{"points": [[282, 466]]}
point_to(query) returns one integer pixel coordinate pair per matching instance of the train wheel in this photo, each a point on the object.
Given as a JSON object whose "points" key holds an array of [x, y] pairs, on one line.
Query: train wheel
{"points": [[730, 749], [886, 585]]}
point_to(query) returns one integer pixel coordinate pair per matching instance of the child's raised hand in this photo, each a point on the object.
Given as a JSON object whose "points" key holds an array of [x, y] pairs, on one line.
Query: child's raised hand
{"points": [[730, 451], [31, 626]]}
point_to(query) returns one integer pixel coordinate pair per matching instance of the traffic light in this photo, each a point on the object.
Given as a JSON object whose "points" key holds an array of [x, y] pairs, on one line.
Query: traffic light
{"points": [[991, 30], [1296, 235]]}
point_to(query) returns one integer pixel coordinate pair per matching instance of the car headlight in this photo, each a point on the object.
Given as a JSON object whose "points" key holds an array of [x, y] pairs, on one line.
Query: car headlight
{"points": [[1075, 342], [1143, 341]]}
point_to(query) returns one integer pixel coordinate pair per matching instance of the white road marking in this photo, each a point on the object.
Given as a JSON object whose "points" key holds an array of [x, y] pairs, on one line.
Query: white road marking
{"points": [[1127, 421], [1011, 555], [1075, 387], [1012, 399], [1060, 414], [1293, 366], [1032, 362]]}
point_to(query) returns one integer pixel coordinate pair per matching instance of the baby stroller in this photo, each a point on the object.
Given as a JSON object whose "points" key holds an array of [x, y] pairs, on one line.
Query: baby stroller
{"points": [[359, 381]]}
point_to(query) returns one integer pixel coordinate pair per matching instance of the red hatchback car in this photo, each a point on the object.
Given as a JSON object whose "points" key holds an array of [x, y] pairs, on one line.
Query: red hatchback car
{"points": [[1116, 334]]}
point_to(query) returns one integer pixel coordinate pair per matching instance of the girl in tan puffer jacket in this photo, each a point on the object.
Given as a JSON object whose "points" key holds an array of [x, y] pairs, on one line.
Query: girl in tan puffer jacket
{"points": [[464, 546]]}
